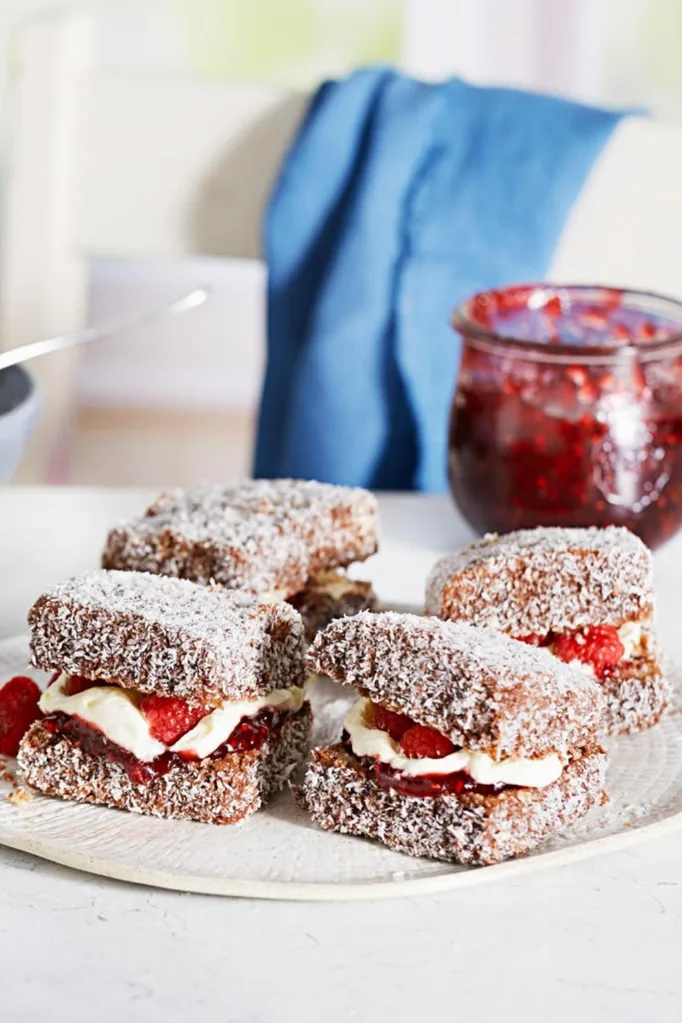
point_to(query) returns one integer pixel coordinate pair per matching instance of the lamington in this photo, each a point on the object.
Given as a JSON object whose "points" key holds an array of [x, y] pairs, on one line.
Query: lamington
{"points": [[290, 539], [464, 745], [586, 595], [167, 698]]}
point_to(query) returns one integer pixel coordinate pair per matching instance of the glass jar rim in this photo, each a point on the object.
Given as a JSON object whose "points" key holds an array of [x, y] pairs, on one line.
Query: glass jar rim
{"points": [[491, 341]]}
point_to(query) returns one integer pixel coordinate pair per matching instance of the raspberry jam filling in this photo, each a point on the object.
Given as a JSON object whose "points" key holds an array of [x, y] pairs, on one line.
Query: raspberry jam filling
{"points": [[431, 785], [95, 743], [419, 742], [599, 646], [250, 734]]}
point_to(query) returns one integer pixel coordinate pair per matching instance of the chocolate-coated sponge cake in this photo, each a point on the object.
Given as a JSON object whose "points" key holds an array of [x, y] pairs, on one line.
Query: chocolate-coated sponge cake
{"points": [[167, 636], [289, 538], [464, 745], [584, 594], [167, 697]]}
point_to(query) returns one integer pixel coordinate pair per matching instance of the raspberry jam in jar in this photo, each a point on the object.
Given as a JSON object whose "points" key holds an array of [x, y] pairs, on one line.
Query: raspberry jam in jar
{"points": [[568, 410]]}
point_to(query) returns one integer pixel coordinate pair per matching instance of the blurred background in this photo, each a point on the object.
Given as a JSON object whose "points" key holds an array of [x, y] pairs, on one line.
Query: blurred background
{"points": [[175, 404]]}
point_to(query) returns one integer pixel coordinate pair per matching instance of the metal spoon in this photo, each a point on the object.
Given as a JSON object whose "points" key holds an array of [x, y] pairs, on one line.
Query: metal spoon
{"points": [[191, 300]]}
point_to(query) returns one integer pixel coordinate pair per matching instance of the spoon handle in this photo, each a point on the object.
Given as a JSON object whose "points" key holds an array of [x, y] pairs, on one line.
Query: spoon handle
{"points": [[191, 300]]}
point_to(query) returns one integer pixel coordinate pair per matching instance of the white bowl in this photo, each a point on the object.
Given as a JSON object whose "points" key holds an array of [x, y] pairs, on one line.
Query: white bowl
{"points": [[19, 406]]}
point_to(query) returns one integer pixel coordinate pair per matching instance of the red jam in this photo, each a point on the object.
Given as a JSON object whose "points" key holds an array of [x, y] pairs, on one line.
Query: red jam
{"points": [[95, 743], [430, 784], [249, 734], [568, 411]]}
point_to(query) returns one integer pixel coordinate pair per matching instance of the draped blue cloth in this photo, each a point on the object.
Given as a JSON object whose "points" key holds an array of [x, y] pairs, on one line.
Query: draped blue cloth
{"points": [[398, 199]]}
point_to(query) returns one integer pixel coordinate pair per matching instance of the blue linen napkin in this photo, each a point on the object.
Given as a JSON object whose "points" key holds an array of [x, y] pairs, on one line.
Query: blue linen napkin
{"points": [[398, 199]]}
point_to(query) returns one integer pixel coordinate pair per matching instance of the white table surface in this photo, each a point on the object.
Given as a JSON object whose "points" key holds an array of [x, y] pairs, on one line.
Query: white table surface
{"points": [[596, 941]]}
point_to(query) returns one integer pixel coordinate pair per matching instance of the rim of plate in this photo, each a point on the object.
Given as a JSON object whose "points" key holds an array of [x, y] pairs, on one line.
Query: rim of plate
{"points": [[300, 891]]}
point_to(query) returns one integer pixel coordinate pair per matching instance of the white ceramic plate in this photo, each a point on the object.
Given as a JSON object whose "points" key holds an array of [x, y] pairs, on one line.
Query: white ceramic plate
{"points": [[277, 853]]}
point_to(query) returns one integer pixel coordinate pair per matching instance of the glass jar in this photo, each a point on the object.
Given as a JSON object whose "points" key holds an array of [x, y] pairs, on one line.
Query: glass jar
{"points": [[568, 410]]}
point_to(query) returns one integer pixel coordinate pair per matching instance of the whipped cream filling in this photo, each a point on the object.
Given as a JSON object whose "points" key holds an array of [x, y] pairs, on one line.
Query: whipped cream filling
{"points": [[631, 635], [367, 741], [115, 712], [212, 731], [335, 583], [273, 596]]}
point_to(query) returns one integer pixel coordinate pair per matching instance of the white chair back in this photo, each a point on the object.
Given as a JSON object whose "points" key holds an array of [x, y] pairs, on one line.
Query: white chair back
{"points": [[120, 165]]}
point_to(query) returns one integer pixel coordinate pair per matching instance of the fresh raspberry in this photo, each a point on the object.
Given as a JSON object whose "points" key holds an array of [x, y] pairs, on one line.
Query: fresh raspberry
{"points": [[598, 645], [420, 742], [388, 721], [169, 717], [532, 639], [78, 684], [18, 710]]}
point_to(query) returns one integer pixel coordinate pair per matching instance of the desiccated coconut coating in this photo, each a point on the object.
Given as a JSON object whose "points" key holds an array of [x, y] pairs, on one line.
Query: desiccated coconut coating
{"points": [[167, 636], [637, 694], [536, 580], [255, 535], [480, 688], [341, 795], [214, 791]]}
